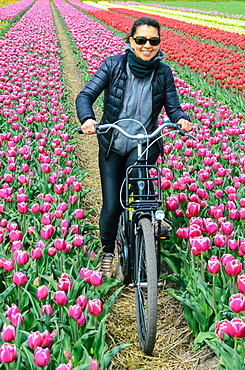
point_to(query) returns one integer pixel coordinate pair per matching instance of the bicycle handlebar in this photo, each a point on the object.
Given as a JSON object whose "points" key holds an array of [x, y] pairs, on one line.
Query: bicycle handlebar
{"points": [[101, 129]]}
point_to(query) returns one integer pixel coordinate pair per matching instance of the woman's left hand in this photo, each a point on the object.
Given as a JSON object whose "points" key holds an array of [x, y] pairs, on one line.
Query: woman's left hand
{"points": [[185, 125]]}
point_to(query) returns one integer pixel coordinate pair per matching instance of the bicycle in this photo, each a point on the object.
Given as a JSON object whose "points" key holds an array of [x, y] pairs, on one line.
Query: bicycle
{"points": [[139, 236]]}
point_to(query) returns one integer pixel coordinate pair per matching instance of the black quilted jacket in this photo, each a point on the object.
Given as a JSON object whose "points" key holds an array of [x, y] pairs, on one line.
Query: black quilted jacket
{"points": [[111, 78]]}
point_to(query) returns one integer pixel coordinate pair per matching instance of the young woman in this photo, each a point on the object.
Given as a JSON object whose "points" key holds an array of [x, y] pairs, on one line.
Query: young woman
{"points": [[136, 85]]}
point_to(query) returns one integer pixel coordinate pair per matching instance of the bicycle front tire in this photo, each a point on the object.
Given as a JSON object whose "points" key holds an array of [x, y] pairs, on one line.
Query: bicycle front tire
{"points": [[145, 282]]}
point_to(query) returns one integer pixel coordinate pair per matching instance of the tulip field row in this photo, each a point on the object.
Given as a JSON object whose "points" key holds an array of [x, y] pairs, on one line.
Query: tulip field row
{"points": [[47, 255]]}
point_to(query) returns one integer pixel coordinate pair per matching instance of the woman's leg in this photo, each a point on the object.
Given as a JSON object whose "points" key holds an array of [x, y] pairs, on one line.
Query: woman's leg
{"points": [[112, 173]]}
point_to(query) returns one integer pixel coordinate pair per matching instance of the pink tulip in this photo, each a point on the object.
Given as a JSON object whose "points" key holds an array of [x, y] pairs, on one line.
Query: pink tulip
{"points": [[183, 233], [22, 257], [193, 208], [41, 356], [47, 339], [78, 240], [233, 268], [241, 283], [85, 273], [172, 203], [77, 186], [214, 266], [94, 365], [95, 307], [8, 333], [242, 214], [221, 327], [220, 240], [15, 235], [35, 340], [210, 226], [75, 311], [60, 244], [81, 320], [96, 278], [82, 301], [8, 353], [233, 244], [47, 232], [65, 282], [19, 278], [51, 251], [63, 367], [42, 292], [201, 243], [60, 298], [237, 302], [79, 214], [236, 328], [16, 319], [226, 227], [22, 207], [36, 253], [46, 309], [8, 265]]}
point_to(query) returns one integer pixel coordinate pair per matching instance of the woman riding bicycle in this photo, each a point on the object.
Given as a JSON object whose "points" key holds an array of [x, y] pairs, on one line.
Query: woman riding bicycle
{"points": [[136, 85]]}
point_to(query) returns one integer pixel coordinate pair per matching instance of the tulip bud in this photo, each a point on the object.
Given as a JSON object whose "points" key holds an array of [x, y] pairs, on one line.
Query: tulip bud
{"points": [[47, 339], [81, 320]]}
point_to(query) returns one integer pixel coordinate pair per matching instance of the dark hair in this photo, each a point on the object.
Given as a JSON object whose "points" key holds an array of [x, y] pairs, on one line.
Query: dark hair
{"points": [[150, 22]]}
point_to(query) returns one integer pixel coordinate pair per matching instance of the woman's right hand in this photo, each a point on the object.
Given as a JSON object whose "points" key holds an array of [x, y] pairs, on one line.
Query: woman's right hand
{"points": [[88, 126]]}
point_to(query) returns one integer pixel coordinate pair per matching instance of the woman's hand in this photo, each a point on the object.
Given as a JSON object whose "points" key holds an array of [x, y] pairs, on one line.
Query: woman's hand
{"points": [[185, 125], [88, 126]]}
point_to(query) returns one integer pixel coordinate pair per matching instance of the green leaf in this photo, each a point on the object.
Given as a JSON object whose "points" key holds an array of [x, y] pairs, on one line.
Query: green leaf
{"points": [[108, 356], [7, 291]]}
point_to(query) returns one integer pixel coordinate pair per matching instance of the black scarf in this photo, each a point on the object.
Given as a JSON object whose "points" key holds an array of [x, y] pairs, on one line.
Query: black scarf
{"points": [[141, 68]]}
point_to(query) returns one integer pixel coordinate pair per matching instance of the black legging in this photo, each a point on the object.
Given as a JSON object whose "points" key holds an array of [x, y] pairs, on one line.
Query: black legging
{"points": [[112, 173]]}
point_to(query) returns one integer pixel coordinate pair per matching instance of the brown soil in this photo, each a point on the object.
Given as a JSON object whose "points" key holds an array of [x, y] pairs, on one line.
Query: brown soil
{"points": [[174, 343]]}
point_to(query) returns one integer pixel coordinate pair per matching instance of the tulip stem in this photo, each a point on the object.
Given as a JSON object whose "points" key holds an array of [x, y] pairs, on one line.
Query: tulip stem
{"points": [[202, 267], [214, 294], [7, 366], [19, 296], [243, 350]]}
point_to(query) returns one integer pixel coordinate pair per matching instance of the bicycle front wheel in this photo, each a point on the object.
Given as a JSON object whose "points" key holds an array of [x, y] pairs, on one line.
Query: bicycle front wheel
{"points": [[145, 281]]}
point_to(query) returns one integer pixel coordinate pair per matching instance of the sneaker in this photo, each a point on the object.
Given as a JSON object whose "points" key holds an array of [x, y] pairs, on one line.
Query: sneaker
{"points": [[106, 264]]}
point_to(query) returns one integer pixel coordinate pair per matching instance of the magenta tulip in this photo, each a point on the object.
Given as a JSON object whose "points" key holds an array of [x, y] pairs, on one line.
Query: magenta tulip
{"points": [[221, 327], [8, 333], [237, 302], [41, 356], [96, 278], [42, 292], [36, 253], [8, 353], [19, 278], [78, 240], [47, 339], [214, 266], [79, 214], [46, 309], [94, 365], [35, 340], [81, 320], [65, 282], [220, 240], [60, 298], [201, 243], [95, 307], [82, 301], [241, 283], [236, 328], [60, 244], [75, 311], [47, 231], [233, 268]]}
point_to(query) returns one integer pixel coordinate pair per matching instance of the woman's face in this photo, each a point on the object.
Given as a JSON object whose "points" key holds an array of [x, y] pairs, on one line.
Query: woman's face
{"points": [[147, 51]]}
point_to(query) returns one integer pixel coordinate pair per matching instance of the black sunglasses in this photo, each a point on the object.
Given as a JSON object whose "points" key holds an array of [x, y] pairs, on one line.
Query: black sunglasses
{"points": [[142, 40]]}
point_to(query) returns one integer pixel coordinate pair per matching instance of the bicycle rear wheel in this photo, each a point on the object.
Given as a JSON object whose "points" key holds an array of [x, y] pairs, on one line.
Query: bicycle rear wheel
{"points": [[145, 281]]}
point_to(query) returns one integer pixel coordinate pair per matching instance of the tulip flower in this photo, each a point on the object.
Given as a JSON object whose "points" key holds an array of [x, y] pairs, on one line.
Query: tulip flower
{"points": [[236, 328], [95, 307], [8, 265], [237, 302], [226, 227], [60, 244], [214, 266], [79, 214], [233, 267], [41, 356], [202, 244], [82, 301], [8, 333], [63, 367], [19, 278], [65, 282], [8, 353], [241, 283], [85, 273], [46, 309], [94, 365], [47, 339], [51, 251], [81, 320], [96, 278], [47, 231], [42, 292], [220, 240], [75, 311], [22, 257], [22, 207], [233, 244], [35, 340], [221, 327], [60, 298], [16, 319], [172, 203], [36, 253]]}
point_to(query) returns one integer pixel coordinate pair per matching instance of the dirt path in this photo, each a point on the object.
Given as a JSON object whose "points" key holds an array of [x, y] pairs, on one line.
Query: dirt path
{"points": [[174, 342]]}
